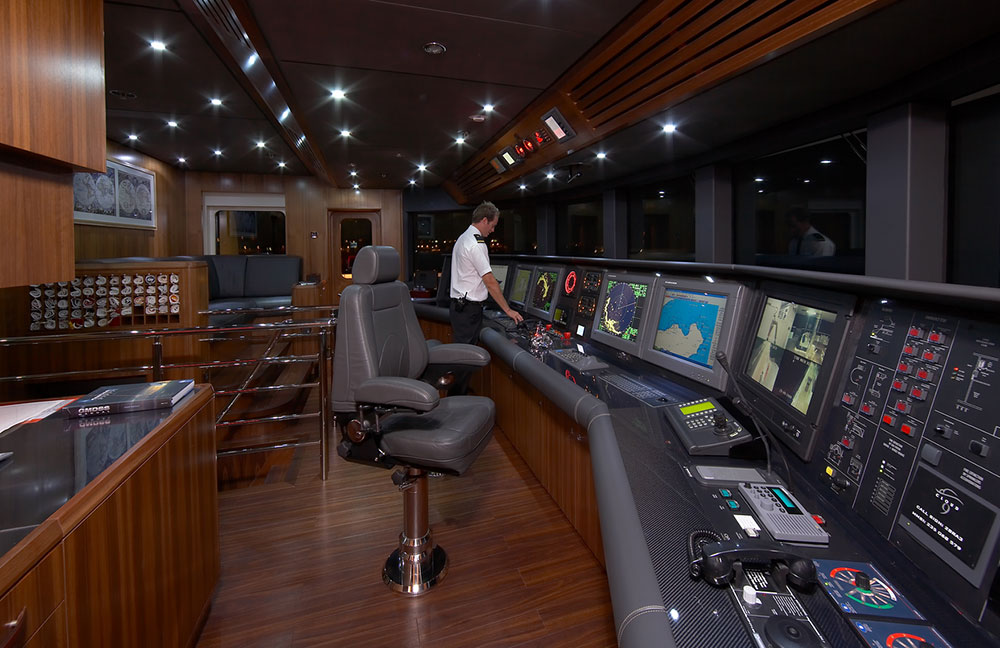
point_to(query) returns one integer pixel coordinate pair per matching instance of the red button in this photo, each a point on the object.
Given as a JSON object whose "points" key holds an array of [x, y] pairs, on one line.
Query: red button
{"points": [[918, 393], [934, 337], [866, 409], [848, 399], [888, 419], [923, 374], [904, 368], [916, 332], [902, 406], [909, 350], [930, 356], [899, 385], [906, 429]]}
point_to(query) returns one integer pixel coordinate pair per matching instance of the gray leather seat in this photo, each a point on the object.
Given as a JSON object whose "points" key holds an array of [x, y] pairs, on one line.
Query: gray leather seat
{"points": [[389, 417]]}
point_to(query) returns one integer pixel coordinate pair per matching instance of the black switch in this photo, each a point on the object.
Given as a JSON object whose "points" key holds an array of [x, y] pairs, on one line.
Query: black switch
{"points": [[863, 581], [979, 448]]}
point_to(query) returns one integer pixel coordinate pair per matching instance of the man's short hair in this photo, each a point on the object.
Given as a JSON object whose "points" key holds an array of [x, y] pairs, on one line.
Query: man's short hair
{"points": [[799, 215], [486, 210]]}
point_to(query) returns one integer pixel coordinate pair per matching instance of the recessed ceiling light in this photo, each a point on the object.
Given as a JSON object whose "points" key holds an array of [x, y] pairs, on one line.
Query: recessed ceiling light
{"points": [[251, 60], [435, 47], [216, 102], [282, 165], [807, 181], [159, 46], [217, 151], [181, 160], [285, 114], [522, 186], [261, 144], [669, 128], [357, 186], [412, 181], [488, 108], [550, 175], [479, 118], [760, 191], [172, 124], [338, 94], [460, 139], [826, 161], [601, 156], [758, 179], [354, 172], [300, 140], [421, 167], [345, 133], [133, 137]]}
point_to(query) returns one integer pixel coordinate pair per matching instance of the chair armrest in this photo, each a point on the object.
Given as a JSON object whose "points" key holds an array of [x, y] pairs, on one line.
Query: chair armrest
{"points": [[397, 392], [458, 354], [433, 343]]}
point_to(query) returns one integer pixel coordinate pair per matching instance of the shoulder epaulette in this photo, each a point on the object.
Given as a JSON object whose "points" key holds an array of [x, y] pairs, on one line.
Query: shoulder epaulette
{"points": [[479, 237]]}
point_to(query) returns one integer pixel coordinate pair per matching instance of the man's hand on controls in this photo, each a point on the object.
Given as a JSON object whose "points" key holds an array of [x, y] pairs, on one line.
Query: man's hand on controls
{"points": [[514, 315]]}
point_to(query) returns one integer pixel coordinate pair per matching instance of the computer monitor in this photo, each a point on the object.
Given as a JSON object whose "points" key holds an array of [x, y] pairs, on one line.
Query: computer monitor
{"points": [[791, 358], [690, 320], [620, 311], [545, 284], [443, 297], [521, 284], [500, 274]]}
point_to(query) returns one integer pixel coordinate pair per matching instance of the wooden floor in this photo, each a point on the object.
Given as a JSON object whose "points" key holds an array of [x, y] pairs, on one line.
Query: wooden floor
{"points": [[302, 559]]}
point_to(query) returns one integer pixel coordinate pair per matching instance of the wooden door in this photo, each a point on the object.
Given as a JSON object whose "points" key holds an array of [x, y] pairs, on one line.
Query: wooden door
{"points": [[349, 232]]}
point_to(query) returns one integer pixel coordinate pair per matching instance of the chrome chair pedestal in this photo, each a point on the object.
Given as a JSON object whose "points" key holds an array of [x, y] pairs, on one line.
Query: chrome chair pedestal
{"points": [[417, 565]]}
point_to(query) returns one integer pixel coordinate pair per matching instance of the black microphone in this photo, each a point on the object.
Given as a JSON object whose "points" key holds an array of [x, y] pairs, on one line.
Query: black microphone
{"points": [[743, 405]]}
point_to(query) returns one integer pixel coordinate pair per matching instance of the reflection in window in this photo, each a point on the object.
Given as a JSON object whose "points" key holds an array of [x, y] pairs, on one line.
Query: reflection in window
{"points": [[355, 233], [249, 232], [435, 233], [580, 229], [661, 221], [804, 208]]}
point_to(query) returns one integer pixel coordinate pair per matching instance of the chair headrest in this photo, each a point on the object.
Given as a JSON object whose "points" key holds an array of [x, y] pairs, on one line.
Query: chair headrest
{"points": [[376, 264]]}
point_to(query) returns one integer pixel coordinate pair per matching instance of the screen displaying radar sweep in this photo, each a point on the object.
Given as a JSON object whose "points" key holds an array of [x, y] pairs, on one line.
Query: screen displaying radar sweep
{"points": [[690, 325], [545, 290], [521, 280], [621, 312], [788, 350]]}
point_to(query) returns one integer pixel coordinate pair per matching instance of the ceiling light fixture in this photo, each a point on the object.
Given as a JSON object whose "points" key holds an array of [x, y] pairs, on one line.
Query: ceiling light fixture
{"points": [[488, 108], [826, 161], [522, 186], [159, 46], [669, 128], [461, 137], [285, 114], [251, 60], [216, 102], [261, 144], [807, 181], [435, 48], [282, 165], [133, 137], [421, 167], [758, 179], [550, 176], [345, 133], [217, 151], [412, 182], [338, 94], [601, 156], [357, 186], [172, 124], [353, 172], [182, 160]]}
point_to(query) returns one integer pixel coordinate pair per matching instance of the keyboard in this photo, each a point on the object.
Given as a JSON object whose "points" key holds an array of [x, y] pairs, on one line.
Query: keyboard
{"points": [[579, 361], [633, 387], [505, 323]]}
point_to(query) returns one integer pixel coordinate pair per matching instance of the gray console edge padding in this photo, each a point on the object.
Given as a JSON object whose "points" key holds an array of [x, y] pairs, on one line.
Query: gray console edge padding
{"points": [[436, 313], [640, 617]]}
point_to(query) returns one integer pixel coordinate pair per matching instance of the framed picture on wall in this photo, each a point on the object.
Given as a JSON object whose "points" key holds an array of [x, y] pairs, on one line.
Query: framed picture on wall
{"points": [[122, 196]]}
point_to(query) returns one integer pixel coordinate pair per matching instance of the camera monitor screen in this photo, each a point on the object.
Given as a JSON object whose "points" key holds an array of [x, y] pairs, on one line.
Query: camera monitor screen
{"points": [[789, 350], [541, 300], [500, 274], [620, 311], [689, 322], [522, 281]]}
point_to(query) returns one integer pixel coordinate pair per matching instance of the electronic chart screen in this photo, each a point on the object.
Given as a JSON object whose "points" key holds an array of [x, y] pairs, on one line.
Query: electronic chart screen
{"points": [[690, 325], [522, 281], [620, 311], [541, 299], [789, 349], [500, 274]]}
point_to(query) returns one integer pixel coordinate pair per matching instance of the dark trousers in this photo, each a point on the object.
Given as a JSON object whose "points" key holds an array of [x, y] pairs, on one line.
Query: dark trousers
{"points": [[465, 325]]}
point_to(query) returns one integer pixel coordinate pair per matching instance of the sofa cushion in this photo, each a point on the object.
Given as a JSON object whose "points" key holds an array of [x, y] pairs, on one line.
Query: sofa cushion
{"points": [[270, 302], [271, 274], [226, 274]]}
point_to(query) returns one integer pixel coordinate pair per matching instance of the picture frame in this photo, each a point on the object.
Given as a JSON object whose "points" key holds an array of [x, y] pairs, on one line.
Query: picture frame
{"points": [[122, 196]]}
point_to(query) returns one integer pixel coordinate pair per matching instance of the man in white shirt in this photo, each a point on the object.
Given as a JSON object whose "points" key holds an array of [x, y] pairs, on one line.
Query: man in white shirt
{"points": [[472, 277], [806, 240]]}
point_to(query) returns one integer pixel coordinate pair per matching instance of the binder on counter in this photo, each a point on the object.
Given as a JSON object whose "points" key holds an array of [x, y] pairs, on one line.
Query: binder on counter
{"points": [[117, 399]]}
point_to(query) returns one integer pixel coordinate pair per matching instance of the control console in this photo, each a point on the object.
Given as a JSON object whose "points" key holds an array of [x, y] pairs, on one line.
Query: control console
{"points": [[704, 427]]}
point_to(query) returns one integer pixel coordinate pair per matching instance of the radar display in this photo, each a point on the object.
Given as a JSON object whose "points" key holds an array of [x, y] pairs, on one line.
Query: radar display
{"points": [[545, 289], [621, 312]]}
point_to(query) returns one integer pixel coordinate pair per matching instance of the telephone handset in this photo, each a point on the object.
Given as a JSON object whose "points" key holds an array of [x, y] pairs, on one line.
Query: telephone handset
{"points": [[718, 561]]}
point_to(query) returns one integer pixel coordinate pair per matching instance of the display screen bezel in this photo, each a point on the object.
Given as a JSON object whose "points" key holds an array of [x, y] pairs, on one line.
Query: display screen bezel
{"points": [[635, 345], [529, 306]]}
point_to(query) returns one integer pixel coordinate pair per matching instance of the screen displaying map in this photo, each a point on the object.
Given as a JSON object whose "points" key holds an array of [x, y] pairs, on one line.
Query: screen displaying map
{"points": [[545, 290], [689, 326], [521, 280], [500, 274], [621, 312], [789, 348]]}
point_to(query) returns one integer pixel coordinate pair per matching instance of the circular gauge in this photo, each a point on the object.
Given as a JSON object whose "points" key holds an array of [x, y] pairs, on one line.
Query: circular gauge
{"points": [[570, 284], [904, 640], [878, 595]]}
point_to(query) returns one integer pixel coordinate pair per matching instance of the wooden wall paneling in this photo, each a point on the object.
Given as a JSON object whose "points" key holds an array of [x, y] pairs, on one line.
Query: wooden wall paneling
{"points": [[306, 212], [41, 589], [52, 72], [36, 225], [141, 567], [198, 182], [52, 634]]}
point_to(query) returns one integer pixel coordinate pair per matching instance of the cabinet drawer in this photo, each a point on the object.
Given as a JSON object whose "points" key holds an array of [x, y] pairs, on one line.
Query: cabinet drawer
{"points": [[39, 592], [52, 634]]}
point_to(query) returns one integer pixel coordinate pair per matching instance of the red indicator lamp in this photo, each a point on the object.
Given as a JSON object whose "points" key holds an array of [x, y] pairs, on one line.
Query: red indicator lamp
{"points": [[570, 284], [520, 150], [529, 146]]}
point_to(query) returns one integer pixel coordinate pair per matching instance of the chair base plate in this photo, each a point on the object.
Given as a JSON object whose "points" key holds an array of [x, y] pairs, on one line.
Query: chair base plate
{"points": [[421, 578]]}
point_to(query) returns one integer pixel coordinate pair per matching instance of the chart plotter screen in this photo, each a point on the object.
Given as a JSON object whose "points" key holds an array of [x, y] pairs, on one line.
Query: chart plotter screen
{"points": [[545, 289], [620, 314], [789, 349], [500, 274], [690, 325], [520, 289]]}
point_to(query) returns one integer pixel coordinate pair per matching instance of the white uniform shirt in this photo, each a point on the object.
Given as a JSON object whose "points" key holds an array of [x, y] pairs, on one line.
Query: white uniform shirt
{"points": [[812, 243], [470, 261]]}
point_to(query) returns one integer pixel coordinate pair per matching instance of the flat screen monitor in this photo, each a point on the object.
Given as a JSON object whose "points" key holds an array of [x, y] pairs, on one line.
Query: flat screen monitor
{"points": [[444, 283], [689, 321], [500, 274], [541, 299], [620, 311], [522, 282], [791, 358]]}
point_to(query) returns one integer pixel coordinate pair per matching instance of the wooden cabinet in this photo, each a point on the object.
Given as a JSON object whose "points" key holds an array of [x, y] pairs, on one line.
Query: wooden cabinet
{"points": [[40, 595]]}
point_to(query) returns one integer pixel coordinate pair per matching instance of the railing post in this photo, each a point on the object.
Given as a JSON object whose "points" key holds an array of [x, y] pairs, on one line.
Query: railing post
{"points": [[157, 357], [324, 400]]}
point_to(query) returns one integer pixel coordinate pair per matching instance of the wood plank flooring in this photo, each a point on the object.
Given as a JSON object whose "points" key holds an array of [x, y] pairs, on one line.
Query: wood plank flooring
{"points": [[302, 560]]}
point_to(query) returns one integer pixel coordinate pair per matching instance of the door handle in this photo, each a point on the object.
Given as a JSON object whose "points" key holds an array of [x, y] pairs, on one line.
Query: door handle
{"points": [[14, 631]]}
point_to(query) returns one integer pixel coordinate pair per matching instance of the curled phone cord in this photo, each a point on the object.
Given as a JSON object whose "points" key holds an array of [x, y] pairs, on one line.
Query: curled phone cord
{"points": [[696, 540]]}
